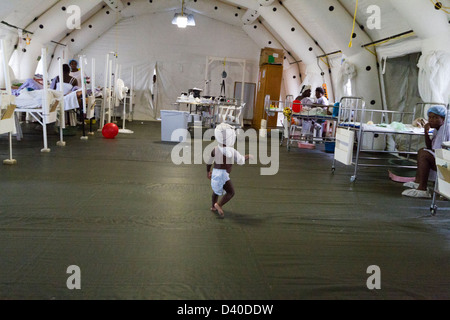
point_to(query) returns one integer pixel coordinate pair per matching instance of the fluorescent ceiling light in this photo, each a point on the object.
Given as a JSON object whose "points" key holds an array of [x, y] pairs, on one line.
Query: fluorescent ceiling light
{"points": [[182, 20]]}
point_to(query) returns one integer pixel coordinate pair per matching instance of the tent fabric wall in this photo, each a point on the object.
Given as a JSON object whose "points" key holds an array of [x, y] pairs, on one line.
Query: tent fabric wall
{"points": [[217, 10], [333, 31], [23, 12], [45, 29], [434, 79], [288, 29], [179, 56], [60, 52], [391, 21], [402, 94], [424, 19], [291, 69], [401, 84], [143, 80], [90, 30], [304, 28], [9, 38], [399, 49]]}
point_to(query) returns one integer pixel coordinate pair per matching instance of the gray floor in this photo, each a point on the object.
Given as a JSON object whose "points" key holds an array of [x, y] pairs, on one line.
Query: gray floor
{"points": [[139, 227]]}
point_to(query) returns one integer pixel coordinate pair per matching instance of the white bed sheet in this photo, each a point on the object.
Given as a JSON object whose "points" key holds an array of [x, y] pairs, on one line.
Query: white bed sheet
{"points": [[33, 99], [385, 128], [388, 129]]}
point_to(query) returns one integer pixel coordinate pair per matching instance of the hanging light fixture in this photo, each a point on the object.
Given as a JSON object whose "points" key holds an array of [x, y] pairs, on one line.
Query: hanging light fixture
{"points": [[183, 20]]}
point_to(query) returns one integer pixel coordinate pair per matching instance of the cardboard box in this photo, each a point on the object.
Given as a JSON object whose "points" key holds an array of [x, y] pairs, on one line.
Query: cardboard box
{"points": [[444, 173], [271, 56]]}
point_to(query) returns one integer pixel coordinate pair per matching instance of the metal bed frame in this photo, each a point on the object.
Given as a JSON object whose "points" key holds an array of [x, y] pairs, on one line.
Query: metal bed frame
{"points": [[353, 115], [308, 116]]}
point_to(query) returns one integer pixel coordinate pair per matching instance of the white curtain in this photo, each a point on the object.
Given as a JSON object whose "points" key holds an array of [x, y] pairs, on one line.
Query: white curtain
{"points": [[342, 72], [143, 82], [434, 76], [9, 40], [400, 82], [171, 80], [402, 94], [347, 73]]}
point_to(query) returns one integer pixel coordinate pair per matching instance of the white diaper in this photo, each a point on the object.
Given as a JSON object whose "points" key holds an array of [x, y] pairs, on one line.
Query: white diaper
{"points": [[218, 179]]}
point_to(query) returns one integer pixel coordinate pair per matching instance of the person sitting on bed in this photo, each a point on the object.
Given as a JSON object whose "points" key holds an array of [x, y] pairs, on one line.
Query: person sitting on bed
{"points": [[68, 81], [70, 84], [320, 96], [426, 157], [305, 95]]}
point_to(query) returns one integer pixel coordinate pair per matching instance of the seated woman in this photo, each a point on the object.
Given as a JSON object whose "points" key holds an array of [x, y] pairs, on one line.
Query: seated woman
{"points": [[304, 98], [76, 72], [426, 157]]}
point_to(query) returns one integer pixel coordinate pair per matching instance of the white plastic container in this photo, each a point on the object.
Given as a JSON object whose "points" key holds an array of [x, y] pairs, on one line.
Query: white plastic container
{"points": [[172, 120]]}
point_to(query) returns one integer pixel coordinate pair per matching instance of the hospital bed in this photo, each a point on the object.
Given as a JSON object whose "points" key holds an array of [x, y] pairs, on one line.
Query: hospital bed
{"points": [[362, 126], [43, 106], [48, 106], [310, 116]]}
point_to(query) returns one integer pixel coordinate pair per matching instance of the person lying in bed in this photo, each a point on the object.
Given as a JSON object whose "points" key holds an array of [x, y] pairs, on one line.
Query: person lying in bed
{"points": [[426, 158], [30, 84]]}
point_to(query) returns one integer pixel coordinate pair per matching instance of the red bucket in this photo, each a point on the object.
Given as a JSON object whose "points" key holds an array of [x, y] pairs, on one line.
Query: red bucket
{"points": [[297, 106]]}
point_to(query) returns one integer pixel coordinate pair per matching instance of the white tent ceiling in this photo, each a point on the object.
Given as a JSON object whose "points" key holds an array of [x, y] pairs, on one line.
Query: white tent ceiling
{"points": [[24, 12], [304, 28]]}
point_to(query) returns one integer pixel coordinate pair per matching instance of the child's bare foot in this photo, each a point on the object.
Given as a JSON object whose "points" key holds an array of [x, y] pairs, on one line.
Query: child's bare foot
{"points": [[219, 210], [213, 209]]}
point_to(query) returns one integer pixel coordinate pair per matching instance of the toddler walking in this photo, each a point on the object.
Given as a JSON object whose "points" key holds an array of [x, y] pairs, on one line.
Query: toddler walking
{"points": [[223, 156]]}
